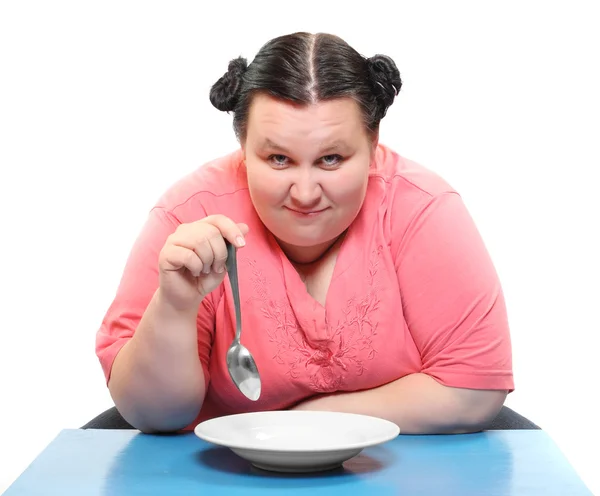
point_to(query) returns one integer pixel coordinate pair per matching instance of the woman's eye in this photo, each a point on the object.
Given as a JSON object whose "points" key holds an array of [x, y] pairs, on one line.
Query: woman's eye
{"points": [[278, 160], [331, 160]]}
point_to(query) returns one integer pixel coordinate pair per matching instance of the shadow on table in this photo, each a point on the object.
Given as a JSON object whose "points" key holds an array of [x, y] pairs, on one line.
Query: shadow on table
{"points": [[224, 461]]}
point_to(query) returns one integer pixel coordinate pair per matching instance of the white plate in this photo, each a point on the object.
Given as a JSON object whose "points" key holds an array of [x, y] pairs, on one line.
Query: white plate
{"points": [[296, 441]]}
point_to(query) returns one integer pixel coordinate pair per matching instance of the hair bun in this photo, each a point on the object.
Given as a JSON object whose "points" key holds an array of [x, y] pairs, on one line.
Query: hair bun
{"points": [[385, 79], [225, 92]]}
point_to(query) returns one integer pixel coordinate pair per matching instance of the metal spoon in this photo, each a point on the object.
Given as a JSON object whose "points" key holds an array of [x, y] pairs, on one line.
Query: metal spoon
{"points": [[241, 365]]}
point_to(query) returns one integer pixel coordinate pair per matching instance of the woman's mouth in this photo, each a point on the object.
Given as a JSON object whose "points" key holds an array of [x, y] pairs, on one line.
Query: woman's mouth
{"points": [[307, 213]]}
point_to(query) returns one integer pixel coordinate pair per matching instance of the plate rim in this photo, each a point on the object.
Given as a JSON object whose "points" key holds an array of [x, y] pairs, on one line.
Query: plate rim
{"points": [[394, 432]]}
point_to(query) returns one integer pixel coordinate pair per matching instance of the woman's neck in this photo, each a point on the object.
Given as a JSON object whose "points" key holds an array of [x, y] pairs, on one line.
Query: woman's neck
{"points": [[307, 255]]}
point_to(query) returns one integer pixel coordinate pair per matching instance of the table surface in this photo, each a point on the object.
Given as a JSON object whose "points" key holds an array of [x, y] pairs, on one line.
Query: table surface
{"points": [[126, 462]]}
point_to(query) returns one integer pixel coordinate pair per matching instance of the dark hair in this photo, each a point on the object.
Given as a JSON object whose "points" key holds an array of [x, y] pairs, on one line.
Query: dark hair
{"points": [[307, 68]]}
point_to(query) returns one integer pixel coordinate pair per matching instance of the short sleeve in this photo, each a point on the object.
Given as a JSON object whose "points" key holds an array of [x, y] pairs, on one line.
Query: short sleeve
{"points": [[137, 286], [452, 299]]}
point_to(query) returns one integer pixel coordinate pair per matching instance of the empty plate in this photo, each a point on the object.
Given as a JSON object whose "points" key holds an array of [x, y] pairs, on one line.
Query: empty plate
{"points": [[297, 441]]}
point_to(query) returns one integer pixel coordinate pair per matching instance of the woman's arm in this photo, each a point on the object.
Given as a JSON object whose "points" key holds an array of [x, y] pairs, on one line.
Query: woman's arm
{"points": [[418, 404], [155, 355], [157, 381]]}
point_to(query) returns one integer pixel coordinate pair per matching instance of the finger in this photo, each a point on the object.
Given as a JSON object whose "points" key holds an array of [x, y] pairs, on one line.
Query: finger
{"points": [[229, 229], [219, 250], [179, 257], [198, 237]]}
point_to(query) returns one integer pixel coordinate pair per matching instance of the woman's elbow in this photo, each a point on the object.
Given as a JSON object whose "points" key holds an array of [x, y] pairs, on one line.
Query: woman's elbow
{"points": [[482, 408]]}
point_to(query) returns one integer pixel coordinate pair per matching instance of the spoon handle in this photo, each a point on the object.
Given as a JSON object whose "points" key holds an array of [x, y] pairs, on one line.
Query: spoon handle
{"points": [[231, 265]]}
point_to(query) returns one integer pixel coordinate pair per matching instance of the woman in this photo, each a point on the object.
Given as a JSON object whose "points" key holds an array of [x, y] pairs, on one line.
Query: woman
{"points": [[365, 285]]}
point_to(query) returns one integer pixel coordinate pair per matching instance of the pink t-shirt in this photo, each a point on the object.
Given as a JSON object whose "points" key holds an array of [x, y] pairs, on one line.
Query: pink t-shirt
{"points": [[413, 290]]}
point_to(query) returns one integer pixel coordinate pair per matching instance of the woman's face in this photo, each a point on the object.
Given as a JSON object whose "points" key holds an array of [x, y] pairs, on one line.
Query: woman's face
{"points": [[307, 167]]}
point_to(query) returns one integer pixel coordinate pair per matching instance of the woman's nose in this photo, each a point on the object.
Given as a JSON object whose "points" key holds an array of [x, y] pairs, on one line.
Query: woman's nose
{"points": [[305, 191]]}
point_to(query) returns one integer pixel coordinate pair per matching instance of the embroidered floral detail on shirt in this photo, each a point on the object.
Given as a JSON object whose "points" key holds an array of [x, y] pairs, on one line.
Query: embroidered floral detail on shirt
{"points": [[329, 362]]}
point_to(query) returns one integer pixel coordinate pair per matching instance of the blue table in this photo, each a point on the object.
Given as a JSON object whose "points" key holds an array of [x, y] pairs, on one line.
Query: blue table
{"points": [[123, 462]]}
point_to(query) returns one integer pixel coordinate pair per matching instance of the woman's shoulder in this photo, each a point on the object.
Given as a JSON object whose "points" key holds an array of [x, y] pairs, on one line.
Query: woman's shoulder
{"points": [[406, 175], [406, 191], [214, 182]]}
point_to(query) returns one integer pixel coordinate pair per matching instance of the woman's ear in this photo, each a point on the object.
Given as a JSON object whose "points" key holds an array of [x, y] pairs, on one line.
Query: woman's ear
{"points": [[243, 147], [374, 142]]}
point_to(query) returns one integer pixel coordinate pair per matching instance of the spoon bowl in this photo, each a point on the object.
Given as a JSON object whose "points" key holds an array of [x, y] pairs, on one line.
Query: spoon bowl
{"points": [[240, 364], [243, 370]]}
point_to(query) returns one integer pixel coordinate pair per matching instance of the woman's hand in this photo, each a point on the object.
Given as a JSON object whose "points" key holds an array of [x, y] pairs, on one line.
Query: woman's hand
{"points": [[192, 261]]}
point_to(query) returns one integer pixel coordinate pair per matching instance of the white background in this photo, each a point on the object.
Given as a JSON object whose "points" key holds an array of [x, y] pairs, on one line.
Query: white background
{"points": [[104, 104]]}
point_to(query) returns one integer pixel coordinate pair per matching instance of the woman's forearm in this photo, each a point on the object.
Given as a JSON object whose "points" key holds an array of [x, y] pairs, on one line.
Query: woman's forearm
{"points": [[418, 404], [157, 381]]}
